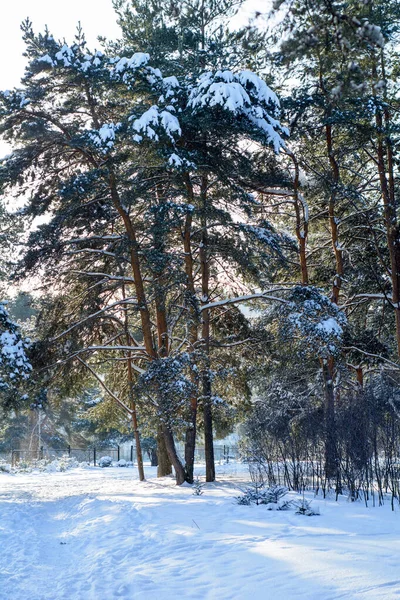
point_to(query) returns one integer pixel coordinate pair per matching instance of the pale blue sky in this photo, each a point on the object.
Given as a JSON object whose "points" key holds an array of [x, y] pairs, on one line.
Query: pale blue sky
{"points": [[97, 18]]}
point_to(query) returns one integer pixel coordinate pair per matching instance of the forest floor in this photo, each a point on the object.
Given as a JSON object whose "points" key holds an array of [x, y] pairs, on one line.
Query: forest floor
{"points": [[99, 534]]}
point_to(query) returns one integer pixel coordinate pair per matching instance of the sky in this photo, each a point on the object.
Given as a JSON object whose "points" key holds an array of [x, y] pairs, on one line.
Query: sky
{"points": [[96, 16]]}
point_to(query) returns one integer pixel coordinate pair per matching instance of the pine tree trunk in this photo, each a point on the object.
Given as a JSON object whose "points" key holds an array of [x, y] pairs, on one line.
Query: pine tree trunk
{"points": [[208, 431], [331, 465], [385, 164], [132, 401], [164, 466], [205, 334], [333, 221], [301, 213], [389, 195], [360, 377], [180, 473], [190, 441], [190, 447], [136, 268], [153, 458], [160, 285], [139, 455]]}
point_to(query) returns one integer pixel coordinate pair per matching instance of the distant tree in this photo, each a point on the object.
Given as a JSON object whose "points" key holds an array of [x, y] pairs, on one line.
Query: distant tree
{"points": [[15, 367]]}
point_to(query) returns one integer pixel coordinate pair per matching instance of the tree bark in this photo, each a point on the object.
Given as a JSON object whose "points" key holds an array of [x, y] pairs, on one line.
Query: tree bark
{"points": [[386, 178], [139, 454], [208, 431], [159, 277], [190, 448], [329, 368], [190, 441], [301, 213], [331, 464], [333, 220], [180, 472], [136, 268], [164, 466], [205, 335]]}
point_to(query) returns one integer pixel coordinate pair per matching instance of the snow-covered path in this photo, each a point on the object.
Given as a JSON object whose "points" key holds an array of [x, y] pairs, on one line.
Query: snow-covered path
{"points": [[98, 534]]}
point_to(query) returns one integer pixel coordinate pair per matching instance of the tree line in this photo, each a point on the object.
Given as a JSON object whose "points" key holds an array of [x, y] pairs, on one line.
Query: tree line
{"points": [[212, 214]]}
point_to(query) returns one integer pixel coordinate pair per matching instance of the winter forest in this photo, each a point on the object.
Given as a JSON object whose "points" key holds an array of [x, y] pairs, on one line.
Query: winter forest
{"points": [[200, 237]]}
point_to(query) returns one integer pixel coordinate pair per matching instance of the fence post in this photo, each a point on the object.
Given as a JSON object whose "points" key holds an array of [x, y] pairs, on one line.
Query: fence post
{"points": [[69, 450], [118, 452], [227, 455], [94, 456], [41, 453], [131, 454], [12, 458]]}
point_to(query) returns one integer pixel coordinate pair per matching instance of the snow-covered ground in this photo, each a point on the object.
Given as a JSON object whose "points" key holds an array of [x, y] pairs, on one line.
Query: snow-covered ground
{"points": [[99, 534]]}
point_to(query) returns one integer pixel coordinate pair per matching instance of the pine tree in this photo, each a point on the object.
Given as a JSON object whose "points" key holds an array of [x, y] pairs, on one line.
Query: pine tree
{"points": [[15, 368], [125, 158]]}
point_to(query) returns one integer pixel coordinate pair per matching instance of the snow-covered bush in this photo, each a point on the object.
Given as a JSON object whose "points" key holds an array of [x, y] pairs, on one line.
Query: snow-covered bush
{"points": [[51, 467], [256, 494], [285, 505], [60, 465], [5, 467], [243, 500], [105, 461], [23, 465], [274, 494], [304, 508], [198, 487], [122, 463], [65, 463]]}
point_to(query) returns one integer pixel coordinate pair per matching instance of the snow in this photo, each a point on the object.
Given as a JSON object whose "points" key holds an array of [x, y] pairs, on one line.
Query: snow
{"points": [[65, 55], [305, 207], [13, 360], [174, 160], [99, 533], [171, 82], [153, 116], [245, 95], [228, 94], [104, 137], [137, 60], [330, 326], [47, 59], [12, 347], [264, 93]]}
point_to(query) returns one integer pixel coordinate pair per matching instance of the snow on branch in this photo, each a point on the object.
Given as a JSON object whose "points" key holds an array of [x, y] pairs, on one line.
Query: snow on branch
{"points": [[310, 317], [154, 121], [14, 363], [245, 95]]}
